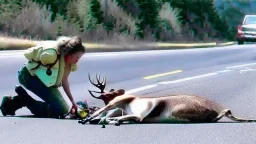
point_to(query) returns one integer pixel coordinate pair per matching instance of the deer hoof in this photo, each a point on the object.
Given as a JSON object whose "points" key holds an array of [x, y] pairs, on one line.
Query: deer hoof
{"points": [[117, 123], [83, 121], [103, 121]]}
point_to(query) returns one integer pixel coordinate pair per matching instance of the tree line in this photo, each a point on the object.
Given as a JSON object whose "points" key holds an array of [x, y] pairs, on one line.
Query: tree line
{"points": [[162, 20]]}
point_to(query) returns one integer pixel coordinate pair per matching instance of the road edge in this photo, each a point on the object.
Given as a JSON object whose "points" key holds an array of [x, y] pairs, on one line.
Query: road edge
{"points": [[140, 47]]}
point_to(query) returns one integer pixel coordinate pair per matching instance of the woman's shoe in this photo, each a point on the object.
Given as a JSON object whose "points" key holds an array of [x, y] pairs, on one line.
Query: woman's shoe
{"points": [[7, 106]]}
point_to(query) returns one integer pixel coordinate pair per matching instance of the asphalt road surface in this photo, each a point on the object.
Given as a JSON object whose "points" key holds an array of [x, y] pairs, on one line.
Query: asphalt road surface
{"points": [[226, 75]]}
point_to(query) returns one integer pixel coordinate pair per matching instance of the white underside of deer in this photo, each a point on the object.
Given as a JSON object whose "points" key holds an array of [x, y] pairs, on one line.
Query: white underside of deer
{"points": [[142, 107]]}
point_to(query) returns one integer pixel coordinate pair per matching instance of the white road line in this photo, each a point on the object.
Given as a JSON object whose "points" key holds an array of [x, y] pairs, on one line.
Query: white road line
{"points": [[175, 81], [247, 70], [237, 66], [223, 71], [188, 78], [168, 82], [140, 89]]}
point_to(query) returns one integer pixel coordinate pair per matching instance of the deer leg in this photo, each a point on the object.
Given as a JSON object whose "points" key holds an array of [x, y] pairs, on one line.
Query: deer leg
{"points": [[107, 116], [121, 119], [228, 114], [115, 113], [220, 115], [98, 112], [118, 120]]}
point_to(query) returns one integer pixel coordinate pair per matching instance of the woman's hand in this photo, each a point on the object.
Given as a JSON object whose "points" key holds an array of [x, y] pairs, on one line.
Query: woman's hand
{"points": [[74, 106]]}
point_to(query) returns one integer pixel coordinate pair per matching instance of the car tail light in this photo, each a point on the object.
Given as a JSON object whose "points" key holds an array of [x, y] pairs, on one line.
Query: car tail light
{"points": [[239, 30]]}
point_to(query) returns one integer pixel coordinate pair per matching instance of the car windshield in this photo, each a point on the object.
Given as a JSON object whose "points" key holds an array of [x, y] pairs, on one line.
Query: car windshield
{"points": [[250, 20]]}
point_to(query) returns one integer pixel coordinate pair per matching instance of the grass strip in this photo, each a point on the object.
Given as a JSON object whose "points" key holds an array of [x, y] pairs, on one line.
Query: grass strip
{"points": [[22, 44]]}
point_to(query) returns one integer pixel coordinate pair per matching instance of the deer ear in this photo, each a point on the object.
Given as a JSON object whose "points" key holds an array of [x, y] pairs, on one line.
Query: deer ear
{"points": [[112, 90], [120, 92]]}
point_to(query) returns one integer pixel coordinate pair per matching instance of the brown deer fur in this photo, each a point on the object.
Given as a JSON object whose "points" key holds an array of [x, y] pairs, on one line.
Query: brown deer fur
{"points": [[178, 108]]}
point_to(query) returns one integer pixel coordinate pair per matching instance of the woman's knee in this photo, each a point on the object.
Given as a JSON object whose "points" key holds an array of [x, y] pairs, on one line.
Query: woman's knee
{"points": [[59, 107]]}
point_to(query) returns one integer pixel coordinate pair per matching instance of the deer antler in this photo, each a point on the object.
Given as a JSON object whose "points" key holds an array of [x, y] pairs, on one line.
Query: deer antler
{"points": [[101, 85]]}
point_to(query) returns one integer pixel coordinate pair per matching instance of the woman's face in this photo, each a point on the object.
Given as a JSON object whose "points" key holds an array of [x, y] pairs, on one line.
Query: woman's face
{"points": [[73, 58]]}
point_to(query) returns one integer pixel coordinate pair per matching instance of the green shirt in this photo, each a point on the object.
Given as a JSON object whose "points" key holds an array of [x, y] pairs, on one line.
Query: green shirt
{"points": [[46, 55]]}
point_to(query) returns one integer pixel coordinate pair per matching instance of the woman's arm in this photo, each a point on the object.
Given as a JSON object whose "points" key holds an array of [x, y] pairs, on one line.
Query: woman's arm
{"points": [[65, 83]]}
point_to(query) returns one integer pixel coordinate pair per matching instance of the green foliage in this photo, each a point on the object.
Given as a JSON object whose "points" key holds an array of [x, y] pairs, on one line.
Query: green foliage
{"points": [[197, 14], [218, 23], [82, 13], [195, 18], [95, 15], [9, 9], [56, 6], [170, 18], [166, 25], [183, 5], [77, 13], [58, 20], [148, 17], [122, 3], [72, 14]]}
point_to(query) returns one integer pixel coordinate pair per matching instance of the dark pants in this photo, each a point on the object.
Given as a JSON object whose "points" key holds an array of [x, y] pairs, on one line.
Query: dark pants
{"points": [[54, 104]]}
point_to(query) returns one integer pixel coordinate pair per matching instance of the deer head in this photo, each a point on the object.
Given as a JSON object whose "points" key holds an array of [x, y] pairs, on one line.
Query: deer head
{"points": [[106, 96]]}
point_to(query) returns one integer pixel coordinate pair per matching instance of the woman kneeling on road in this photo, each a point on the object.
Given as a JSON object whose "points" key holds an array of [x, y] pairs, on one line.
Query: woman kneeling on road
{"points": [[48, 68]]}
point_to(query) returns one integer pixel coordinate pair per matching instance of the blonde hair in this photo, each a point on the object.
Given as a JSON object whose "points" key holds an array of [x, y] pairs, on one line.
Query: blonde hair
{"points": [[69, 45]]}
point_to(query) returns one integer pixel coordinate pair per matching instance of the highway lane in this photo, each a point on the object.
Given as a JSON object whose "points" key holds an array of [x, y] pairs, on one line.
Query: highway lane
{"points": [[205, 72], [124, 68]]}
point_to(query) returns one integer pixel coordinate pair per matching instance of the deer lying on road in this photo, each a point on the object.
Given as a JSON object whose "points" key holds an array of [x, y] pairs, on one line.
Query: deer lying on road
{"points": [[174, 108]]}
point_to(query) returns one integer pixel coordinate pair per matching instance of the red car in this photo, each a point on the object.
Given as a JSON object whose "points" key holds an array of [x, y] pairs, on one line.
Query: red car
{"points": [[247, 31]]}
